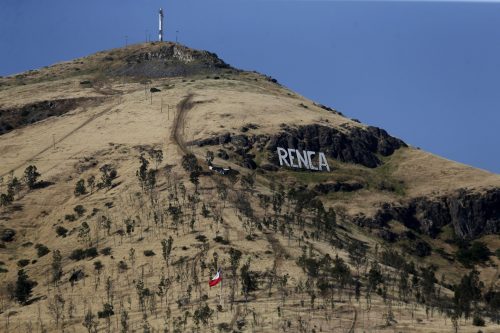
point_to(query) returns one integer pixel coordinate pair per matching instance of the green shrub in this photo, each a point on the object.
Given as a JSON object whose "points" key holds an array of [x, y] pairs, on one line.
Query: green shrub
{"points": [[221, 240], [106, 312], [79, 210], [149, 253], [106, 251], [80, 254], [475, 253], [478, 321], [122, 266], [61, 231], [80, 188], [41, 250], [23, 262], [70, 217]]}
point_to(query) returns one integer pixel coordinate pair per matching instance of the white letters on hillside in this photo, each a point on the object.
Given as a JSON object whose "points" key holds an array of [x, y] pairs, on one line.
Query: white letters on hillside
{"points": [[295, 158]]}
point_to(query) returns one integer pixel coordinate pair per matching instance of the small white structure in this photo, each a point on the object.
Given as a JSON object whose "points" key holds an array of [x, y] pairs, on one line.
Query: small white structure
{"points": [[220, 170], [160, 25]]}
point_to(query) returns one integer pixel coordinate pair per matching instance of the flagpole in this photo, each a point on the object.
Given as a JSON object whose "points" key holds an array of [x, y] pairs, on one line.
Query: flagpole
{"points": [[220, 297]]}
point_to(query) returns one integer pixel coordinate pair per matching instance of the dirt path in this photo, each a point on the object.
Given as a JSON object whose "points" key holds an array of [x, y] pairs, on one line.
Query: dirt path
{"points": [[183, 107]]}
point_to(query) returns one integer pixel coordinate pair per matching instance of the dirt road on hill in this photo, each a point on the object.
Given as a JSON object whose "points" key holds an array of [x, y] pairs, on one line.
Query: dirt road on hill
{"points": [[183, 107]]}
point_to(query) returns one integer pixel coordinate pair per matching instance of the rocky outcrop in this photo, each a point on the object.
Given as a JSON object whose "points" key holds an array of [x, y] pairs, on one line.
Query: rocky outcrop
{"points": [[471, 214], [169, 60], [358, 145], [325, 188]]}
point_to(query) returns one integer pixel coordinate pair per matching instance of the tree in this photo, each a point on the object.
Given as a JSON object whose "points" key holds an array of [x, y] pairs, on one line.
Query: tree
{"points": [[56, 307], [248, 181], [209, 157], [203, 315], [166, 246], [6, 199], [56, 266], [124, 321], [89, 321], [467, 293], [142, 173], [249, 280], [190, 163], [80, 188], [31, 176], [108, 173], [23, 288], [91, 183], [235, 256], [13, 187], [157, 156], [84, 233]]}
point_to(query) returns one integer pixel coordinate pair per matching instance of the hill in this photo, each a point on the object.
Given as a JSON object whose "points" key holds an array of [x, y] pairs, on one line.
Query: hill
{"points": [[122, 223]]}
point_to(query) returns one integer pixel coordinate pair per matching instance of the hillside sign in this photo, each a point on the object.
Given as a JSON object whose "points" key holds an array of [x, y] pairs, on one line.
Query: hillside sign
{"points": [[304, 159]]}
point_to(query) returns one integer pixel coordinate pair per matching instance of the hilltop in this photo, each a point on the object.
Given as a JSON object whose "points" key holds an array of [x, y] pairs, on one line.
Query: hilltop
{"points": [[126, 222]]}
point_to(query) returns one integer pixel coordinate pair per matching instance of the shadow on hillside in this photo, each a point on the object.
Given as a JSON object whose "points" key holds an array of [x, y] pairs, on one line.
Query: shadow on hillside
{"points": [[42, 184]]}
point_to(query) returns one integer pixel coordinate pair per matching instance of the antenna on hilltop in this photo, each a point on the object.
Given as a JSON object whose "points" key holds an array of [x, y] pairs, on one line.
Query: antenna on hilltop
{"points": [[160, 25]]}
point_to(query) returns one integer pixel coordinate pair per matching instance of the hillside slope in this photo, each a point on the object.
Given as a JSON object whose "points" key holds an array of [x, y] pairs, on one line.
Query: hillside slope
{"points": [[300, 250]]}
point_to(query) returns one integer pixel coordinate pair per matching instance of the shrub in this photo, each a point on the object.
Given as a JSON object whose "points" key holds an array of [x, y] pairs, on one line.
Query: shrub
{"points": [[106, 312], [31, 176], [41, 250], [23, 262], [122, 266], [476, 253], [201, 238], [221, 240], [91, 252], [70, 217], [77, 254], [61, 231], [98, 266], [23, 288], [106, 251], [3, 270], [478, 321], [80, 254], [79, 210], [80, 188], [149, 253]]}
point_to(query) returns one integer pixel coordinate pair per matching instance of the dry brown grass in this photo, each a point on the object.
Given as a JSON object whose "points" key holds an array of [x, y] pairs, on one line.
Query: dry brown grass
{"points": [[113, 133]]}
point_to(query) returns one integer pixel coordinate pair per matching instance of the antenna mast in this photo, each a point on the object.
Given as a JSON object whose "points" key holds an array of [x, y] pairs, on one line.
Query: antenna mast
{"points": [[160, 25]]}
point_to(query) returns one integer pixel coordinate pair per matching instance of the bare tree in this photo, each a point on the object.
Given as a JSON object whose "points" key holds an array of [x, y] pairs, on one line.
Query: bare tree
{"points": [[56, 308]]}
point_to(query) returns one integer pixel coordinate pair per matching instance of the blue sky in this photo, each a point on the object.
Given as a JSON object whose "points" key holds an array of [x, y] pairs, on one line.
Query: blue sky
{"points": [[428, 72]]}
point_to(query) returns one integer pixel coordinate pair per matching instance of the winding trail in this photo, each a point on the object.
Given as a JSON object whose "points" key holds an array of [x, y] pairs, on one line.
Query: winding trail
{"points": [[183, 107]]}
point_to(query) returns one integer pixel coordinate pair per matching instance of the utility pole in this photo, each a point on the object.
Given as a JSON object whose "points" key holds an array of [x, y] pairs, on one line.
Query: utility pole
{"points": [[176, 35]]}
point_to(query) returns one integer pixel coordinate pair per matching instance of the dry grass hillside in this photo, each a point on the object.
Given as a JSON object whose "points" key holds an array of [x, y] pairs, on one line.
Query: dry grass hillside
{"points": [[125, 224]]}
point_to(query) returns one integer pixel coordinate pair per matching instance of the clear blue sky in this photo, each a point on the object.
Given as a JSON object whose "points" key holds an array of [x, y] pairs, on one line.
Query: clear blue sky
{"points": [[428, 72]]}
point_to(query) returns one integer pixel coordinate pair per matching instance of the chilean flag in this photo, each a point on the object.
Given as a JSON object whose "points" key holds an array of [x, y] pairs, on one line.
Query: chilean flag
{"points": [[216, 279]]}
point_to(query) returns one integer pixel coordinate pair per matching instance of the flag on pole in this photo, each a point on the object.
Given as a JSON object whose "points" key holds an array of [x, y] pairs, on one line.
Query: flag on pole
{"points": [[216, 279]]}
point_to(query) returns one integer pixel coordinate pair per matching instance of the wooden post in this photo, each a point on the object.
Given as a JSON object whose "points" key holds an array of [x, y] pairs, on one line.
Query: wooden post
{"points": [[161, 105]]}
